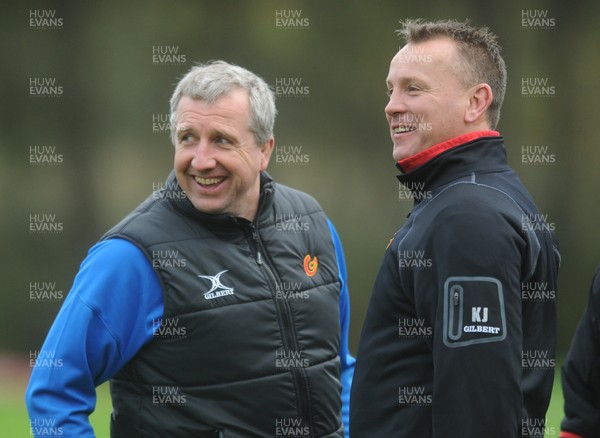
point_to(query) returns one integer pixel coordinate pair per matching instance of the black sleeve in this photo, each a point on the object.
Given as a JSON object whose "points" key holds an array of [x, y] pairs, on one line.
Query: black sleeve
{"points": [[581, 371], [475, 278]]}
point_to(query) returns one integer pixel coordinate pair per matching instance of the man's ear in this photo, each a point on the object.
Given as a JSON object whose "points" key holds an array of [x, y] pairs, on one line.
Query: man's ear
{"points": [[480, 99], [266, 149]]}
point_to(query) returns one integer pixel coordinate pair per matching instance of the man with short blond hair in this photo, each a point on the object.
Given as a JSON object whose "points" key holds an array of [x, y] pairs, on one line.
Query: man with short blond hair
{"points": [[442, 347]]}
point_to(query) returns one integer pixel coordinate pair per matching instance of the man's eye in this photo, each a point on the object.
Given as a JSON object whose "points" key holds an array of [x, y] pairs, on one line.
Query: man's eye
{"points": [[186, 138], [222, 140], [389, 92]]}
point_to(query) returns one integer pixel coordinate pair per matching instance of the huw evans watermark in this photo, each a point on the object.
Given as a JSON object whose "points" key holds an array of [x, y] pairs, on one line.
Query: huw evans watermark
{"points": [[413, 328], [414, 122], [40, 427], [537, 291], [291, 155], [537, 359], [291, 291], [44, 223], [291, 87], [44, 291], [168, 190], [414, 259], [168, 396], [291, 427], [44, 19], [414, 191], [536, 427], [45, 87], [291, 223], [168, 259], [413, 396], [167, 55], [44, 359], [537, 87], [285, 359], [537, 222], [291, 19], [161, 123], [44, 155], [168, 328], [414, 54], [537, 19], [537, 155]]}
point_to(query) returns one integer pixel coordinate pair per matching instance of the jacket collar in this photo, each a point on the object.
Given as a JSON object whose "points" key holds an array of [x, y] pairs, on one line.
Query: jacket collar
{"points": [[484, 154], [411, 163]]}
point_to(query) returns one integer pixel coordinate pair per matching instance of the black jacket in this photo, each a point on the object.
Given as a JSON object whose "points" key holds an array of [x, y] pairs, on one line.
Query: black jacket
{"points": [[249, 339], [459, 338], [581, 371]]}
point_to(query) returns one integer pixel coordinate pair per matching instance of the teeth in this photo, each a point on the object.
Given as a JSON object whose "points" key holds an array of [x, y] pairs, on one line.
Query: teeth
{"points": [[403, 128], [208, 181]]}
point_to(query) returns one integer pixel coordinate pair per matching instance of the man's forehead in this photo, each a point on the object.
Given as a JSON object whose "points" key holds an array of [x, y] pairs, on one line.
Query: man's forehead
{"points": [[225, 114], [233, 104], [417, 57], [432, 50], [236, 97]]}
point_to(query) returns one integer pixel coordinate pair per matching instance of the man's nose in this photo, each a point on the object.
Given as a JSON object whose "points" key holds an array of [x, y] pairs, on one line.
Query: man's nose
{"points": [[204, 156], [396, 104]]}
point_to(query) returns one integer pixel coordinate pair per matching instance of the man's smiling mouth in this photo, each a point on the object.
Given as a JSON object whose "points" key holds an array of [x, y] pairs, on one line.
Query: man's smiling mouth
{"points": [[401, 129], [211, 181]]}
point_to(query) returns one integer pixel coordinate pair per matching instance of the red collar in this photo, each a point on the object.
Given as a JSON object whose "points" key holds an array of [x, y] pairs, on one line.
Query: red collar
{"points": [[411, 163]]}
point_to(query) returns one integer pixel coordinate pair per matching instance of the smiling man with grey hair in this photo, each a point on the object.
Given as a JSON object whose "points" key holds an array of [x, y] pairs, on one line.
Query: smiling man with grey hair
{"points": [[211, 313]]}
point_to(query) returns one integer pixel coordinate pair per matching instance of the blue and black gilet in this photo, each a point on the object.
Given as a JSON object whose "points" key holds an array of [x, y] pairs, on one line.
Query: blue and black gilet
{"points": [[248, 343]]}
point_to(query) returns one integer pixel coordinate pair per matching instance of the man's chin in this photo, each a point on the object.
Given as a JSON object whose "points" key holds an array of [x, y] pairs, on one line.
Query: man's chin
{"points": [[401, 152], [400, 155], [208, 206]]}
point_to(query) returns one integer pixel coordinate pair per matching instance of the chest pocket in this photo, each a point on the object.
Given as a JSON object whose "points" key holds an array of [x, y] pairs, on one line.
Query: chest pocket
{"points": [[473, 311]]}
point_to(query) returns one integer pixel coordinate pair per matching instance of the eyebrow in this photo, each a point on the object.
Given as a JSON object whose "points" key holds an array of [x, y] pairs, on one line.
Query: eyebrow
{"points": [[182, 128], [220, 133], [404, 79]]}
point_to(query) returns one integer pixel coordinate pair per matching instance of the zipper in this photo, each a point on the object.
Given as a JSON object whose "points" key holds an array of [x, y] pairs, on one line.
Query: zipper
{"points": [[284, 315], [455, 319]]}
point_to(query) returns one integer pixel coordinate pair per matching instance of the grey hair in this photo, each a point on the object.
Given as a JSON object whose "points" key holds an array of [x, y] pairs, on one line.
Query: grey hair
{"points": [[208, 82], [480, 60]]}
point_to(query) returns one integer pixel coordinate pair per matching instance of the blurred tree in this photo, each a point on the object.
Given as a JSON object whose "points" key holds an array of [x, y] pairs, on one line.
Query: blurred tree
{"points": [[102, 125]]}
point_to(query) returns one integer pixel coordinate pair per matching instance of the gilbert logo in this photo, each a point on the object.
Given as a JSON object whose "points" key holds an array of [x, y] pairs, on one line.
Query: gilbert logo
{"points": [[218, 289], [311, 265]]}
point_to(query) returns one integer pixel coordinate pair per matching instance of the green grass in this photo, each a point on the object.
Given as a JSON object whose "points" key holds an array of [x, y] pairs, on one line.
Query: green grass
{"points": [[555, 410], [15, 423], [100, 419]]}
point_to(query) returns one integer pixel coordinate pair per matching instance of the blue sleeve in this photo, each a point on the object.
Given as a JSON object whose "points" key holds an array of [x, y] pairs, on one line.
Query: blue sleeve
{"points": [[346, 359], [106, 318]]}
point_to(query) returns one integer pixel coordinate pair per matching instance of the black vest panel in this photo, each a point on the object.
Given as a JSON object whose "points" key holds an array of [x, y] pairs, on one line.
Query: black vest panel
{"points": [[249, 339]]}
